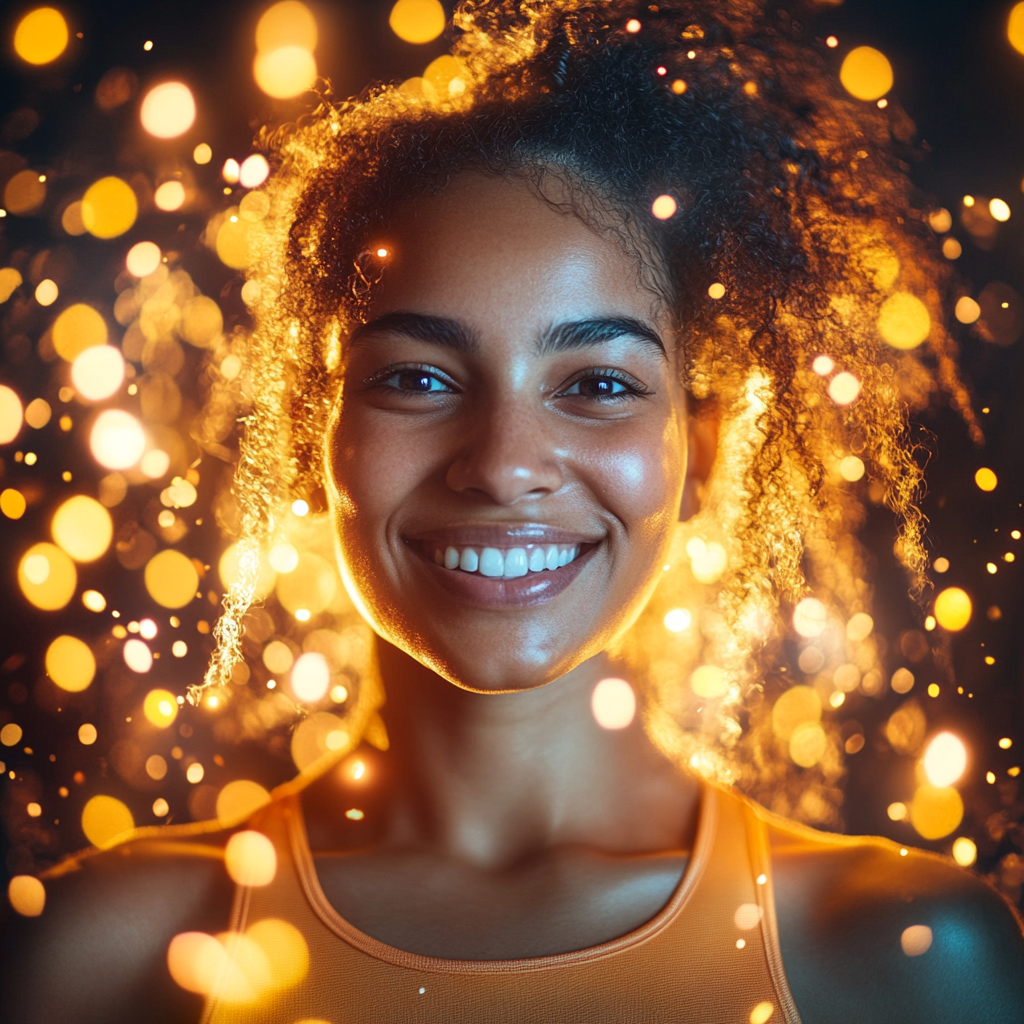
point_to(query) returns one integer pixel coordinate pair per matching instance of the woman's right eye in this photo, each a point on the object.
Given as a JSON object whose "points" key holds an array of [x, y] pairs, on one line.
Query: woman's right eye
{"points": [[411, 381]]}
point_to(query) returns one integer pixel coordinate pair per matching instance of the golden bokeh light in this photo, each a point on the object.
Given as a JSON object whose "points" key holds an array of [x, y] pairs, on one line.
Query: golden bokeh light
{"points": [[201, 321], [250, 859], [98, 372], [866, 73], [105, 820], [156, 767], [417, 21], [143, 258], [762, 1013], [940, 221], [161, 808], [952, 249], [117, 440], [916, 940], [41, 36], [83, 528], [285, 950], [254, 171], [903, 321], [26, 895], [10, 280], [230, 571], [24, 192], [38, 413], [953, 609], [169, 196], [233, 241], [160, 708], [716, 290], [137, 656], [46, 292], [171, 579], [203, 153], [239, 800], [71, 219], [447, 76], [311, 677], [109, 208], [311, 585], [677, 620], [965, 851], [810, 617], [808, 744], [936, 810], [851, 468], [10, 734], [1000, 209], [1015, 27], [844, 388], [986, 479], [168, 110], [196, 961], [902, 680], [613, 703], [12, 415], [195, 773], [286, 72], [709, 682], [664, 207], [12, 503], [288, 23], [87, 734], [317, 735], [78, 328], [47, 577], [70, 664], [945, 759], [799, 705], [966, 310]]}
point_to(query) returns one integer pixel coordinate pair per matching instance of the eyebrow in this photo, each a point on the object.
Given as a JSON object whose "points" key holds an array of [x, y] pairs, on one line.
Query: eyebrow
{"points": [[458, 337]]}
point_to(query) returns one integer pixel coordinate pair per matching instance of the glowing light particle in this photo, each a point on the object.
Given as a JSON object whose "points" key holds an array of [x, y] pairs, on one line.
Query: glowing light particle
{"points": [[83, 528], [250, 858], [999, 209], [171, 579], [709, 682], [117, 440], [716, 290], [254, 171], [143, 258], [953, 609], [810, 617], [169, 196], [761, 1013], [966, 310], [300, 507], [70, 664], [159, 707], [965, 852], [664, 207], [945, 759], [10, 734], [633, 26], [897, 811], [288, 23], [98, 372], [41, 36], [831, 42], [902, 680], [195, 772], [105, 820], [986, 479], [678, 620], [311, 677], [866, 73], [916, 940], [161, 808], [936, 810], [952, 249], [46, 292], [87, 734], [197, 962], [613, 703], [1015, 28], [12, 503], [679, 87], [239, 800], [156, 767], [202, 154], [851, 468], [109, 208], [11, 414], [940, 221], [417, 21], [27, 895], [283, 558], [844, 388], [179, 648], [137, 656], [168, 110], [903, 321], [354, 814], [47, 576], [933, 689], [10, 280], [823, 365], [285, 72]]}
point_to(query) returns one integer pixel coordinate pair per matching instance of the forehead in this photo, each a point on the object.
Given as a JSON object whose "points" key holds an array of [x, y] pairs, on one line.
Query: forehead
{"points": [[489, 247]]}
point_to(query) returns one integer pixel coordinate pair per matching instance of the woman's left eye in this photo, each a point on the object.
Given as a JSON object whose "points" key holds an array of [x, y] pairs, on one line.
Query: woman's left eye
{"points": [[605, 385], [412, 381]]}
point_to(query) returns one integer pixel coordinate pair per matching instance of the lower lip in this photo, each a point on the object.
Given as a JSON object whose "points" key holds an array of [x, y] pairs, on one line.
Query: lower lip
{"points": [[498, 592]]}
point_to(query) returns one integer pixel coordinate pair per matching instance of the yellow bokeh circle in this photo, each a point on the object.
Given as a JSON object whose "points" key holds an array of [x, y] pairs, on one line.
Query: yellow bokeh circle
{"points": [[70, 664], [109, 208], [171, 579], [288, 23], [26, 895], [79, 327], [986, 479], [47, 576], [1015, 28], [41, 36], [286, 72], [83, 528], [903, 321], [936, 811], [105, 820], [866, 73], [953, 609], [12, 415], [238, 800], [417, 21], [160, 708]]}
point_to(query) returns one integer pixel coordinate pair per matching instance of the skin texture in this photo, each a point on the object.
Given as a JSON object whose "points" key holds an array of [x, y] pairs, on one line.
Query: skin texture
{"points": [[503, 821]]}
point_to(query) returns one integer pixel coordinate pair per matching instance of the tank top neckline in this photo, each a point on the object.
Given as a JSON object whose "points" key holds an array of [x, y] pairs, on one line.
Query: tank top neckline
{"points": [[707, 821]]}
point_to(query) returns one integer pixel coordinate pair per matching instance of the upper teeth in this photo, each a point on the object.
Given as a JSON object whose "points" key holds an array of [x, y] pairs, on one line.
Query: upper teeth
{"points": [[510, 563]]}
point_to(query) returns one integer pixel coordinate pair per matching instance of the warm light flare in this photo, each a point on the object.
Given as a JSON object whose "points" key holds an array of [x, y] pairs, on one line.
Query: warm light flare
{"points": [[168, 110], [945, 759], [613, 703]]}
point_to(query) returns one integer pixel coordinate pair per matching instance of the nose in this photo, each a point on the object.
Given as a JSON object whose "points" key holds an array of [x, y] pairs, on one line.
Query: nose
{"points": [[507, 456]]}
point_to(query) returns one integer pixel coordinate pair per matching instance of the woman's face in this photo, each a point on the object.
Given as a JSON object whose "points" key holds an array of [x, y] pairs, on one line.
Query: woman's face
{"points": [[509, 453]]}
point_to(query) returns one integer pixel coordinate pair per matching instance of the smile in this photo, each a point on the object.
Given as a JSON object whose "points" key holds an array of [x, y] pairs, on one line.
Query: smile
{"points": [[507, 563]]}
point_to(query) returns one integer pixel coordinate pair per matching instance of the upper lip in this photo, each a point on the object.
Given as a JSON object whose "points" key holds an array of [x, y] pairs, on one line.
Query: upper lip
{"points": [[503, 535]]}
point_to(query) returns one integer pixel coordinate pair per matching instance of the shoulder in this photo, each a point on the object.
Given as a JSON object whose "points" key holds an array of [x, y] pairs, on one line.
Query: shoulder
{"points": [[98, 951], [871, 931]]}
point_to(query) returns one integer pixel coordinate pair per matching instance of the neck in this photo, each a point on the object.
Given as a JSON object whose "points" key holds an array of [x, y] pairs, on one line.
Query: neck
{"points": [[496, 778]]}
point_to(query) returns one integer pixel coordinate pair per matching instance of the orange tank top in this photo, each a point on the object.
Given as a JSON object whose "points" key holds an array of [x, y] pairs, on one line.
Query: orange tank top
{"points": [[710, 955]]}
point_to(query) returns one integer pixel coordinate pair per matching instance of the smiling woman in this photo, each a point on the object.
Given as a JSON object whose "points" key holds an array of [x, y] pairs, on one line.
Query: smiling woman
{"points": [[541, 402]]}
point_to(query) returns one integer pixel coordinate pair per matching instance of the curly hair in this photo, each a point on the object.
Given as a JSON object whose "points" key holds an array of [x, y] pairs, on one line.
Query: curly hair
{"points": [[795, 235]]}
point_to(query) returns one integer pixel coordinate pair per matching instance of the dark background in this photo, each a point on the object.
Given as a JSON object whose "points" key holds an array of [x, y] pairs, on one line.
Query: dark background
{"points": [[957, 77]]}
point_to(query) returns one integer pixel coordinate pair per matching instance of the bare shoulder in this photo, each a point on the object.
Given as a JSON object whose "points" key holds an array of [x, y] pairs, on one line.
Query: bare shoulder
{"points": [[97, 953], [844, 909]]}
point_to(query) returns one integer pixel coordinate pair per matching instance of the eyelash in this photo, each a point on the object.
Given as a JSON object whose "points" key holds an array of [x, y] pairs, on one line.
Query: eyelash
{"points": [[632, 387]]}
